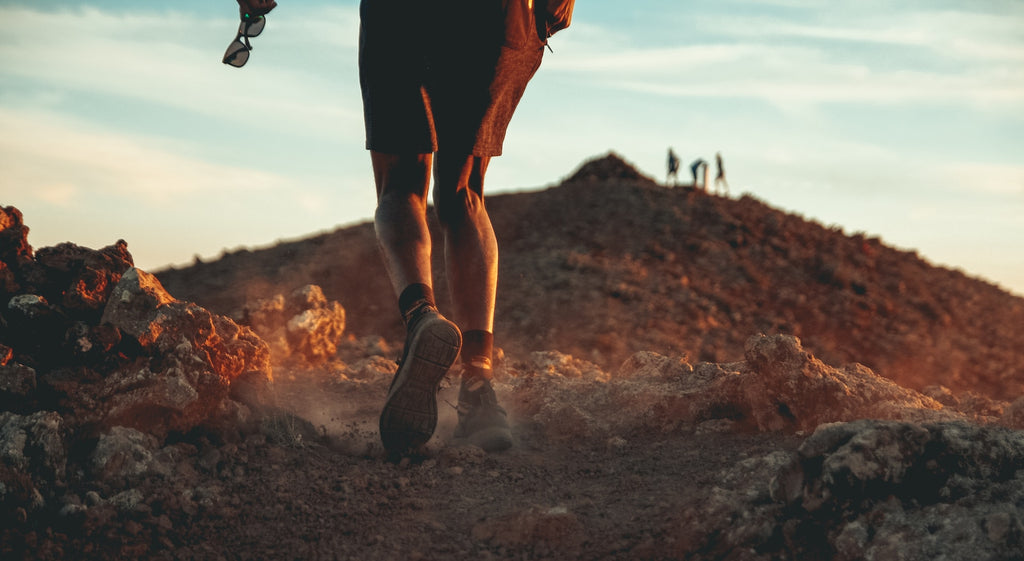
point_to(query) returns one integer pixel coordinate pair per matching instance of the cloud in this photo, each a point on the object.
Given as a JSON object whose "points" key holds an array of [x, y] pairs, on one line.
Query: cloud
{"points": [[857, 55], [174, 62], [996, 179], [59, 161]]}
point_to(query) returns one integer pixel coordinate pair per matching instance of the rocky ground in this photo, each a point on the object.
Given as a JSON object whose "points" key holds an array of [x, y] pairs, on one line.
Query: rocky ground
{"points": [[137, 423]]}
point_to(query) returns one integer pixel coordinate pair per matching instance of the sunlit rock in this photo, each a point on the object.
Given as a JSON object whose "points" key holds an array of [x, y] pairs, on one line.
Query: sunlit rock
{"points": [[786, 387], [303, 327]]}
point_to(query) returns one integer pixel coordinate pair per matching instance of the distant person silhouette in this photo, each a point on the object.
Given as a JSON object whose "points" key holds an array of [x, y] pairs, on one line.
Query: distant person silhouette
{"points": [[695, 169], [720, 173], [673, 168]]}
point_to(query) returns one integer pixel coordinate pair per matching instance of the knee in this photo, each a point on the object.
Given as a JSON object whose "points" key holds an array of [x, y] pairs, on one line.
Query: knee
{"points": [[401, 176], [457, 206]]}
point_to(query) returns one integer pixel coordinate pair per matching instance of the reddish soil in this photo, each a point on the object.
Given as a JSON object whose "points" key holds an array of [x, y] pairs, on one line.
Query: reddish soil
{"points": [[292, 490]]}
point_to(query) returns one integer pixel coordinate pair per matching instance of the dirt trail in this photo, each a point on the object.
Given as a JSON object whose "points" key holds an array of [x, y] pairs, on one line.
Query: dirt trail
{"points": [[590, 500]]}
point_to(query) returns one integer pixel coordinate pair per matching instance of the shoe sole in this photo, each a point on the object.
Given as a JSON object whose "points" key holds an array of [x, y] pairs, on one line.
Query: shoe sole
{"points": [[494, 439], [410, 412]]}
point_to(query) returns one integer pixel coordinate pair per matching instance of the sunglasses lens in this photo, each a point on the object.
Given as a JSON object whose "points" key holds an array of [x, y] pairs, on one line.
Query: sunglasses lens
{"points": [[254, 26], [236, 55]]}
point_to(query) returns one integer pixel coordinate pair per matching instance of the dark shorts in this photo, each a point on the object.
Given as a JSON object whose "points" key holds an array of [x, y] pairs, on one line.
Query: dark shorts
{"points": [[444, 75]]}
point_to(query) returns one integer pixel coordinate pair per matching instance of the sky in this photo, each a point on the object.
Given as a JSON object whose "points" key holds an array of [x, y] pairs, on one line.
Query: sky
{"points": [[902, 120]]}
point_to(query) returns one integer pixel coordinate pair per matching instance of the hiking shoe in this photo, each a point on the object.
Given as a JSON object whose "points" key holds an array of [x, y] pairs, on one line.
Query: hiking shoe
{"points": [[410, 411], [482, 422]]}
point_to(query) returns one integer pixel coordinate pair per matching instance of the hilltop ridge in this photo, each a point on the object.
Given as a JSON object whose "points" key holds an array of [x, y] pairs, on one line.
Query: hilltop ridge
{"points": [[610, 262]]}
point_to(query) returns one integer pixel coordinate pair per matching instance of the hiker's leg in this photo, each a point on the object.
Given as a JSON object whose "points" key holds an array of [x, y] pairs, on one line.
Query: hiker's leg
{"points": [[403, 181], [471, 251]]}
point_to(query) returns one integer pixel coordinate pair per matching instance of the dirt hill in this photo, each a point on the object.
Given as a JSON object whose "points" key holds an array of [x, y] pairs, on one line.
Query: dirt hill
{"points": [[610, 262], [136, 424]]}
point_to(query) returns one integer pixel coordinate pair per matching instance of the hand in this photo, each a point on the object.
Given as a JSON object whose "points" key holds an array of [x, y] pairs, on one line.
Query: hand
{"points": [[255, 7]]}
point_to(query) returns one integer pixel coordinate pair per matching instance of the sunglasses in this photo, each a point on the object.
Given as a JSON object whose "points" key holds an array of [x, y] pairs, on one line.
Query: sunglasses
{"points": [[238, 51]]}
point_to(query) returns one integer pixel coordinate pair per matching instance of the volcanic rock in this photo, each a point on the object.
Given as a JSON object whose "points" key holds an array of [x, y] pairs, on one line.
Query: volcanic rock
{"points": [[786, 385], [779, 386], [82, 277], [881, 489], [100, 344], [33, 459], [190, 359], [124, 454], [302, 327], [14, 250]]}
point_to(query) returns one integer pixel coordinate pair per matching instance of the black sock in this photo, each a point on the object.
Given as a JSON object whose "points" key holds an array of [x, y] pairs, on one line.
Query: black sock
{"points": [[414, 297], [477, 348]]}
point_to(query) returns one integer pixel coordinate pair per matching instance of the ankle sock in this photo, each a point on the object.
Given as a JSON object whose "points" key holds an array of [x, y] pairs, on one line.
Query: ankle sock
{"points": [[477, 348], [413, 298]]}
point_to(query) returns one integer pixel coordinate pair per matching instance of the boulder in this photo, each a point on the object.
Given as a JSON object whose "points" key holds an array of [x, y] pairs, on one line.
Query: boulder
{"points": [[786, 387], [83, 278], [895, 490], [779, 386], [35, 328], [125, 354], [189, 360], [135, 308], [14, 249], [33, 457], [124, 456], [303, 327]]}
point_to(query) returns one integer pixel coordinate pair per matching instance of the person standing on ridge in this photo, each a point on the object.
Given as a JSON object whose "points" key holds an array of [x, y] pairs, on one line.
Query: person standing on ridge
{"points": [[695, 169], [720, 173], [673, 168]]}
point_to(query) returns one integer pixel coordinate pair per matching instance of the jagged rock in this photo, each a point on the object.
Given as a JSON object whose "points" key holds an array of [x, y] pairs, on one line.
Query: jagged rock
{"points": [[779, 387], [127, 501], [786, 386], [33, 457], [90, 344], [177, 392], [867, 489], [135, 308], [563, 365], [34, 328], [201, 355], [155, 364], [83, 278], [124, 454], [894, 490], [14, 250], [721, 525], [303, 327]]}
